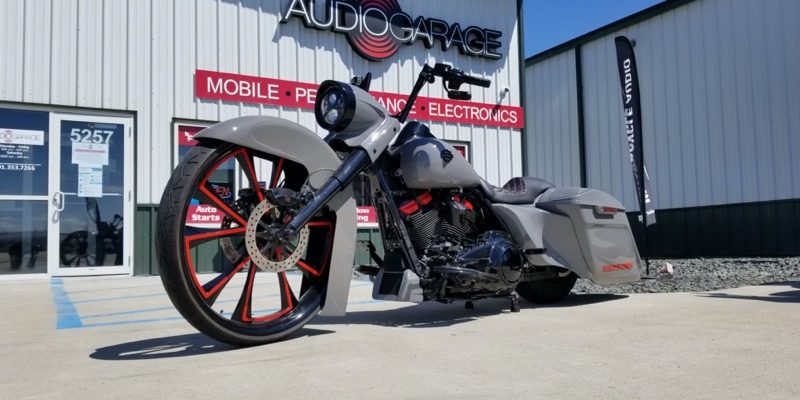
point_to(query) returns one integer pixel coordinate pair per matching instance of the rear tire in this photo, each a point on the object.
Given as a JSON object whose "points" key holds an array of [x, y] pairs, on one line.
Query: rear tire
{"points": [[547, 291]]}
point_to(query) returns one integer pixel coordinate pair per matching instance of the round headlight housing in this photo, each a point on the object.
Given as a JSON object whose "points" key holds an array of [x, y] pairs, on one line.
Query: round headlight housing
{"points": [[335, 106]]}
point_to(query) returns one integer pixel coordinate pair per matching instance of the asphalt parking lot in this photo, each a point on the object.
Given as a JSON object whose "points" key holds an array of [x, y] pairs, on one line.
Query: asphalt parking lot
{"points": [[119, 337]]}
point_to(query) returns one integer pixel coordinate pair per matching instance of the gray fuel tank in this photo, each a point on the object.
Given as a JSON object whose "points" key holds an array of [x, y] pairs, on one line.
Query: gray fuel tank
{"points": [[429, 163]]}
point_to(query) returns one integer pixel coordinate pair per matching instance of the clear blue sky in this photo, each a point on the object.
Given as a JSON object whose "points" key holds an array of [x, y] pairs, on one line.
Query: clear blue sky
{"points": [[549, 23]]}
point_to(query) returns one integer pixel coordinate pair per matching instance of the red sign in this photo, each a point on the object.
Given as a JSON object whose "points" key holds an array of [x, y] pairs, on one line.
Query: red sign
{"points": [[186, 134], [252, 89], [366, 217]]}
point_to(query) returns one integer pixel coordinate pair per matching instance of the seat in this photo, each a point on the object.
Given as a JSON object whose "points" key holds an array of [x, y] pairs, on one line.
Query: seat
{"points": [[516, 191]]}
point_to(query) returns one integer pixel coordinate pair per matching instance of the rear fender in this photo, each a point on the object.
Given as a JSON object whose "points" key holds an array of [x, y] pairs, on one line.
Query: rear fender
{"points": [[294, 142]]}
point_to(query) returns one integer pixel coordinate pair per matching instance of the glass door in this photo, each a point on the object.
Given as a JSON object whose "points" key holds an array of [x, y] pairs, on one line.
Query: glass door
{"points": [[91, 189], [24, 153]]}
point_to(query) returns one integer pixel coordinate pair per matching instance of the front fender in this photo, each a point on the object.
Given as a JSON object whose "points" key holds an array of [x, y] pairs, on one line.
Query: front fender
{"points": [[294, 142]]}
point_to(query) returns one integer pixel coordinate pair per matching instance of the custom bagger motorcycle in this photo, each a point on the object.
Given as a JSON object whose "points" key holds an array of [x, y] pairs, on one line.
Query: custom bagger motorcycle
{"points": [[282, 248]]}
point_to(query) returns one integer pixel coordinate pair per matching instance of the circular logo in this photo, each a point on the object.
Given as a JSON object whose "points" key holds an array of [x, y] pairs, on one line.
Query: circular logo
{"points": [[374, 39], [8, 136]]}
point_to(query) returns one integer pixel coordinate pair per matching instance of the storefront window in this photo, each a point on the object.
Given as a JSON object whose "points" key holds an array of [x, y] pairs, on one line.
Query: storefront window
{"points": [[24, 152], [23, 237]]}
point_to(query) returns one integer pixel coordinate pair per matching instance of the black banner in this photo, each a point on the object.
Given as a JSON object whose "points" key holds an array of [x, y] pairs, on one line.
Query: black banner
{"points": [[632, 109]]}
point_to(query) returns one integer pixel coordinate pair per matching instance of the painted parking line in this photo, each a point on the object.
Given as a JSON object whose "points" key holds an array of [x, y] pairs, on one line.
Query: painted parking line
{"points": [[68, 317]]}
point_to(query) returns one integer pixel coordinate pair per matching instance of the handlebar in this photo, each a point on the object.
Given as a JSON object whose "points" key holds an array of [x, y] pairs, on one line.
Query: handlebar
{"points": [[452, 80], [457, 77]]}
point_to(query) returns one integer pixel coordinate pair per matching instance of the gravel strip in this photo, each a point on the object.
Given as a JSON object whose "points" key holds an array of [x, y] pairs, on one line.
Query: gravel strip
{"points": [[702, 275]]}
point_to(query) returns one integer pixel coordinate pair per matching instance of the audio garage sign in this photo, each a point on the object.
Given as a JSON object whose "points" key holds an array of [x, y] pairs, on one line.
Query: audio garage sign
{"points": [[377, 28], [213, 85]]}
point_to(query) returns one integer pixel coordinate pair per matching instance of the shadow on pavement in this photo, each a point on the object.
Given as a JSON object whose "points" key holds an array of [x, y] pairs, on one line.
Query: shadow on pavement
{"points": [[434, 315], [575, 300], [194, 344], [789, 296]]}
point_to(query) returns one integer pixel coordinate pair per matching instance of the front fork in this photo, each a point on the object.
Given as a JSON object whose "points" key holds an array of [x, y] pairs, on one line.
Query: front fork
{"points": [[353, 165]]}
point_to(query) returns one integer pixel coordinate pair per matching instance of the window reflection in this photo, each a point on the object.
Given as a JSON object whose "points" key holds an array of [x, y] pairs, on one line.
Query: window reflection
{"points": [[23, 237]]}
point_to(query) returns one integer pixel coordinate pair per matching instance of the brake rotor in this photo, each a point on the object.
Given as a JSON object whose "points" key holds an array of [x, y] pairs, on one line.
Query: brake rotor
{"points": [[267, 256]]}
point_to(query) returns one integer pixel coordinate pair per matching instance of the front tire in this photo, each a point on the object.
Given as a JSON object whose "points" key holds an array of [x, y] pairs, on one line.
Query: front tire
{"points": [[202, 263], [547, 291]]}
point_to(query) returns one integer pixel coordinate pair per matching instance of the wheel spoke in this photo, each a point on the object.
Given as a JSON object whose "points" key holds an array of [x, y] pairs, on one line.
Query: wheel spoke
{"points": [[243, 310], [302, 264], [288, 300], [220, 204], [214, 287], [276, 174], [217, 234], [246, 161]]}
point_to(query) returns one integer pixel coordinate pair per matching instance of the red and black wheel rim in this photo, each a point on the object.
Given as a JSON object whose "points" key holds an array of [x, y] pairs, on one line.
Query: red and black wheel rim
{"points": [[219, 271]]}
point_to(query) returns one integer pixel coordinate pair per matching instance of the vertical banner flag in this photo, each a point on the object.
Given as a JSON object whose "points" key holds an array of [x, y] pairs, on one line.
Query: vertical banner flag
{"points": [[632, 108]]}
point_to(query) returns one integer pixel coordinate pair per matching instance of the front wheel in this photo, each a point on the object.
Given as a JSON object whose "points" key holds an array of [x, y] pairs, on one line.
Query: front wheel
{"points": [[217, 261], [547, 291]]}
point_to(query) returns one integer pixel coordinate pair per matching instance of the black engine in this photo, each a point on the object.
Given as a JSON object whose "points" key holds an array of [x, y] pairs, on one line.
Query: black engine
{"points": [[467, 256]]}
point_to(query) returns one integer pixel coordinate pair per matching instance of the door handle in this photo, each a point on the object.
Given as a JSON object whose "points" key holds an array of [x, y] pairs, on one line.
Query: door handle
{"points": [[58, 201]]}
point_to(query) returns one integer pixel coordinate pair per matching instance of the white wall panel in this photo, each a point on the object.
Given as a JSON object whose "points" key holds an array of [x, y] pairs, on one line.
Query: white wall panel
{"points": [[141, 56], [720, 94], [37, 57], [115, 57], [13, 49], [139, 82], [552, 126], [64, 53], [90, 53]]}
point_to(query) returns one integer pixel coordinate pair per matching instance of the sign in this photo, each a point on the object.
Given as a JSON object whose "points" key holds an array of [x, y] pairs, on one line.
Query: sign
{"points": [[377, 29], [462, 148], [203, 216], [366, 217], [16, 149], [21, 136], [213, 85], [629, 80], [186, 134], [90, 181], [89, 153]]}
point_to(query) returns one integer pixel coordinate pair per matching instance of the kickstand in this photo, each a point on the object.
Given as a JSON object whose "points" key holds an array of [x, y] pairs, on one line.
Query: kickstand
{"points": [[514, 302]]}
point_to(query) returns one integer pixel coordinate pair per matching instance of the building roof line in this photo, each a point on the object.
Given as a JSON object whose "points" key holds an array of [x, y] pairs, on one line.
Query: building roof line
{"points": [[653, 11]]}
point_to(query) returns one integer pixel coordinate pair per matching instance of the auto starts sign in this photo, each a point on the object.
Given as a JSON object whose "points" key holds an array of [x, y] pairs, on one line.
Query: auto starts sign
{"points": [[376, 29]]}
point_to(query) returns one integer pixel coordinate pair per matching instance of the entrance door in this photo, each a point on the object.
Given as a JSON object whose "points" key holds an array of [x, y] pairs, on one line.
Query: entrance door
{"points": [[91, 195]]}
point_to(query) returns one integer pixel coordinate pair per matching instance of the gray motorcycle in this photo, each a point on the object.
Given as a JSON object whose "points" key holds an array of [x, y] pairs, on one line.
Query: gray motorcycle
{"points": [[277, 248]]}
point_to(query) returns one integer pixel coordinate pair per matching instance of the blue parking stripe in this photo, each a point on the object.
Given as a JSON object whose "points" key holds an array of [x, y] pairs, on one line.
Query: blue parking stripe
{"points": [[66, 315], [69, 318]]}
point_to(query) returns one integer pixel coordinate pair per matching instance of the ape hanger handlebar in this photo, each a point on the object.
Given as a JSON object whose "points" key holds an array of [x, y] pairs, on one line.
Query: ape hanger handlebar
{"points": [[452, 79]]}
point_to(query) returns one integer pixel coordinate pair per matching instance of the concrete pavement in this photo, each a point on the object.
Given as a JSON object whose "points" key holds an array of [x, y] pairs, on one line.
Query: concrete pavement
{"points": [[119, 337]]}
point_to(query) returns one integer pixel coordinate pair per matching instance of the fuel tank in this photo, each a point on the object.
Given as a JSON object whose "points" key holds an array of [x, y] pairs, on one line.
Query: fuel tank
{"points": [[429, 163]]}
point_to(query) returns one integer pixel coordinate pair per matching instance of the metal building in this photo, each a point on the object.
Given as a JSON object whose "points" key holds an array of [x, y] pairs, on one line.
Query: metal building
{"points": [[98, 98], [720, 100]]}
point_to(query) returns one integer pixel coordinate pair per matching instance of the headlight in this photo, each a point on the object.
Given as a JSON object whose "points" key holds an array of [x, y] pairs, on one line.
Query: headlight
{"points": [[335, 106]]}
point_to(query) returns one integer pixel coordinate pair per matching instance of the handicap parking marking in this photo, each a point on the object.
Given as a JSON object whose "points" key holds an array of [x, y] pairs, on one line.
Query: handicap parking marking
{"points": [[68, 316]]}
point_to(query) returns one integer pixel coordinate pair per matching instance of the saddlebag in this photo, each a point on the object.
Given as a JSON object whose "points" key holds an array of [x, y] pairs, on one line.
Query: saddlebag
{"points": [[601, 229]]}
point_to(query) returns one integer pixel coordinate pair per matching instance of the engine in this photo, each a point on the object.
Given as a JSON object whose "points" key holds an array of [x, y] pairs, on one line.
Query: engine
{"points": [[466, 256]]}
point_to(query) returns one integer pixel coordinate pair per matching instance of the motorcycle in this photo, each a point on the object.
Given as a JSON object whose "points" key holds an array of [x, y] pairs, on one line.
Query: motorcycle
{"points": [[447, 234]]}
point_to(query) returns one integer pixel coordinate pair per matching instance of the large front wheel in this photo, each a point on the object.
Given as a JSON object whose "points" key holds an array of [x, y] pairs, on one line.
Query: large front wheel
{"points": [[217, 259]]}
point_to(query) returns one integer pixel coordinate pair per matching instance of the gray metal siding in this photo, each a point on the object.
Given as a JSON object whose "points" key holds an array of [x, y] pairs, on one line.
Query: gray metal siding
{"points": [[720, 100], [141, 55], [551, 109]]}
